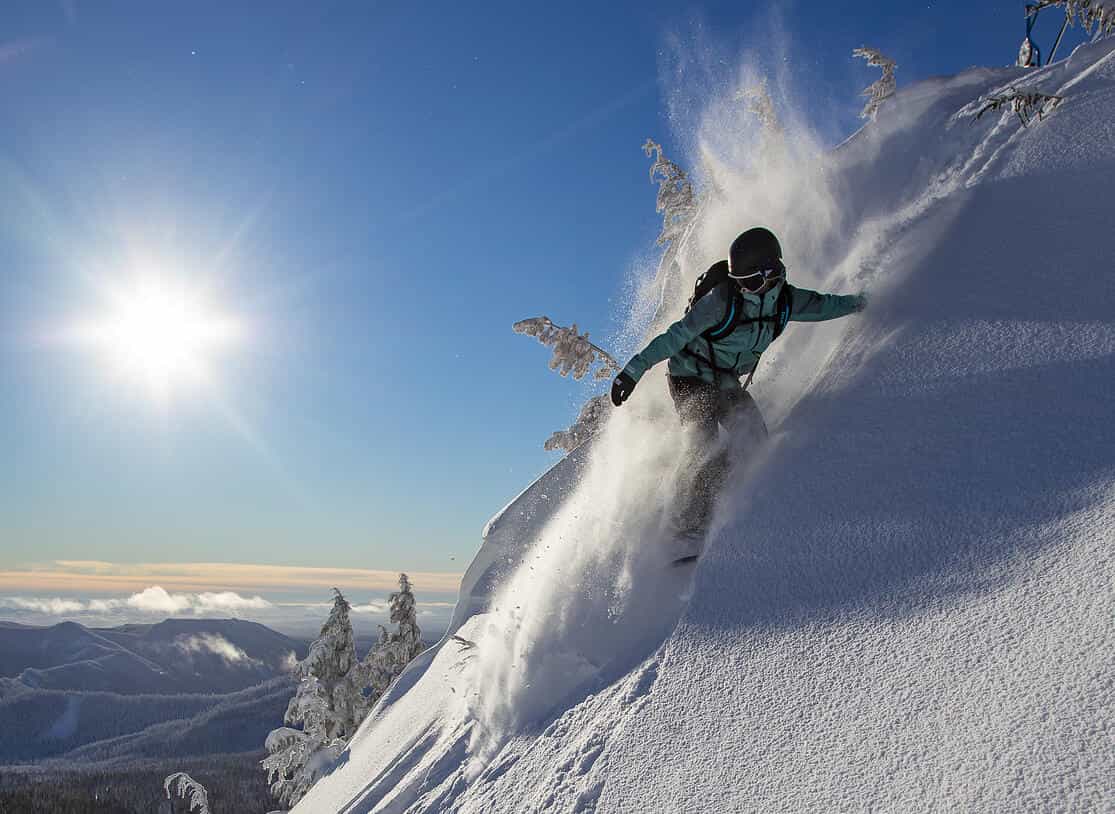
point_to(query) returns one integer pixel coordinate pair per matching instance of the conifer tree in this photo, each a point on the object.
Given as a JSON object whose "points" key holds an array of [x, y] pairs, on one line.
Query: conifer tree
{"points": [[394, 651], [323, 706], [675, 200], [679, 205]]}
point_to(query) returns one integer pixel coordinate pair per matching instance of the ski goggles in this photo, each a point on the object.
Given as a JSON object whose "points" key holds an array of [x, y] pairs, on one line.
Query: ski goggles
{"points": [[755, 278]]}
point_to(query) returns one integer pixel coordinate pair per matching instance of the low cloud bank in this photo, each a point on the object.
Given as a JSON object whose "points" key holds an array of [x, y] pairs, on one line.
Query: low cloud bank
{"points": [[155, 600], [53, 607]]}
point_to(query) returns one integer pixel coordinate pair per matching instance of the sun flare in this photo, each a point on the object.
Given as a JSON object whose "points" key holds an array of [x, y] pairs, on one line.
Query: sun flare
{"points": [[160, 334]]}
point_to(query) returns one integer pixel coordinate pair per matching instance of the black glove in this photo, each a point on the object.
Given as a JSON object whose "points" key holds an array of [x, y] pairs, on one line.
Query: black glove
{"points": [[621, 388]]}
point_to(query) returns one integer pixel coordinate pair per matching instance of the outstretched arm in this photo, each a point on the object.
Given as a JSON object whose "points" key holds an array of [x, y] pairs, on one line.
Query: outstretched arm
{"points": [[810, 306], [707, 313]]}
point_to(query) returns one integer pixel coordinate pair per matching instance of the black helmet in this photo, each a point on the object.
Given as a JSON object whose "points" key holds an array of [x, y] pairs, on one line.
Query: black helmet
{"points": [[755, 248]]}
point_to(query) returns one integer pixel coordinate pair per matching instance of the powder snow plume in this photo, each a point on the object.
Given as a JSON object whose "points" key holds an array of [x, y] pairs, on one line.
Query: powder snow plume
{"points": [[595, 592]]}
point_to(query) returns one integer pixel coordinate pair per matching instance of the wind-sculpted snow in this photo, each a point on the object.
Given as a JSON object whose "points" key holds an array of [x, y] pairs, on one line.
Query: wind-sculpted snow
{"points": [[906, 604]]}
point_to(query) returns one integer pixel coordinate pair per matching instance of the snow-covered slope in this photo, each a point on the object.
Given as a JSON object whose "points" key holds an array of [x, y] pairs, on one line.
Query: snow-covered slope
{"points": [[907, 604]]}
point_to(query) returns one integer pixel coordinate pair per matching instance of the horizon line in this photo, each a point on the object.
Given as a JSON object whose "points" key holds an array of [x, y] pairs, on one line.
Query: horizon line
{"points": [[99, 576]]}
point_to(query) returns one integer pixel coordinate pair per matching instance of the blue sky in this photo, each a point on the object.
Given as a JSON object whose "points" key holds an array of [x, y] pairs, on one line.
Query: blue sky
{"points": [[376, 191]]}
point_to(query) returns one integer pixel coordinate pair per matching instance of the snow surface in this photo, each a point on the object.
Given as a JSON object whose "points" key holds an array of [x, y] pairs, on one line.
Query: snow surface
{"points": [[906, 604]]}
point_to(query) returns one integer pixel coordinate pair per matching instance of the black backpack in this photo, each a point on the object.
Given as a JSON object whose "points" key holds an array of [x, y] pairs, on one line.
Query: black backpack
{"points": [[716, 276]]}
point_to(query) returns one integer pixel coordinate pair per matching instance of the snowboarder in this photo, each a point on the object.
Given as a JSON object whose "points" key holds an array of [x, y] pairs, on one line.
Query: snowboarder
{"points": [[738, 308]]}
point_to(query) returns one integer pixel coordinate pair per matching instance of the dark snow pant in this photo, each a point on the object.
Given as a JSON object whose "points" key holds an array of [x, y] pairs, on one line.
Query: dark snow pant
{"points": [[703, 409]]}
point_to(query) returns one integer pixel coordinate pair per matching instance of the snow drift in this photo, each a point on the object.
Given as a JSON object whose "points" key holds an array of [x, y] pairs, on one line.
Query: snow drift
{"points": [[907, 603]]}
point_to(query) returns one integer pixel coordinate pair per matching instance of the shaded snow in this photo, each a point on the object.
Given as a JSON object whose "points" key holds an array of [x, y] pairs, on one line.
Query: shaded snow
{"points": [[908, 605]]}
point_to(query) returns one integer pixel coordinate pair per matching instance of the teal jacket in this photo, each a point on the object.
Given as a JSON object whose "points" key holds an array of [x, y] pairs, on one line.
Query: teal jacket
{"points": [[738, 353]]}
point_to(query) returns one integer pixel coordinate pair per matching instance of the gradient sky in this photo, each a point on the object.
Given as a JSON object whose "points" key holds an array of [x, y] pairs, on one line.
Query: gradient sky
{"points": [[376, 191]]}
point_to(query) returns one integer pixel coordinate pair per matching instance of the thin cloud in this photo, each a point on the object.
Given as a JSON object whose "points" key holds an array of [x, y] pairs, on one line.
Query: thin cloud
{"points": [[371, 607], [213, 643], [289, 662]]}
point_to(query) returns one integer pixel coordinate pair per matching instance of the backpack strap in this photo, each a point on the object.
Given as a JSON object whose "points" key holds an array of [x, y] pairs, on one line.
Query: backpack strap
{"points": [[783, 309], [784, 306], [733, 318], [732, 315]]}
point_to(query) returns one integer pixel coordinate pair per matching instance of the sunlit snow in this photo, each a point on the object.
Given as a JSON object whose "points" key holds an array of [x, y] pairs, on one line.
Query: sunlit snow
{"points": [[907, 604]]}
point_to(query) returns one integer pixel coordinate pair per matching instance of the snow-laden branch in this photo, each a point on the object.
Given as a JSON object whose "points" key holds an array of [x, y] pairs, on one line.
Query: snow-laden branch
{"points": [[679, 204], [883, 88], [186, 787], [1026, 105], [675, 200], [1098, 19], [573, 353]]}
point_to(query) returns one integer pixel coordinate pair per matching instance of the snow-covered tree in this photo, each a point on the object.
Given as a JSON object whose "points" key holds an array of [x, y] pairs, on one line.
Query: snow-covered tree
{"points": [[404, 613], [188, 788], [1097, 18], [883, 88], [1026, 105], [591, 418], [573, 352], [322, 698], [296, 760], [675, 201], [679, 204], [323, 705], [391, 654]]}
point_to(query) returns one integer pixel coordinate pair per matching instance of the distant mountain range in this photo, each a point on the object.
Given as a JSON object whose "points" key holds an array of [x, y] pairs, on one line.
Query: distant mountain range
{"points": [[174, 656], [182, 687]]}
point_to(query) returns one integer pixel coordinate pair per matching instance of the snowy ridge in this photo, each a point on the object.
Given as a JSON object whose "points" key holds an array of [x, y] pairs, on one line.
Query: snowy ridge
{"points": [[907, 604]]}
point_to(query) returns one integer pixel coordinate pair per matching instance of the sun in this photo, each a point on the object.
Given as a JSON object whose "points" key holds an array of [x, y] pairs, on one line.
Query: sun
{"points": [[161, 334]]}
